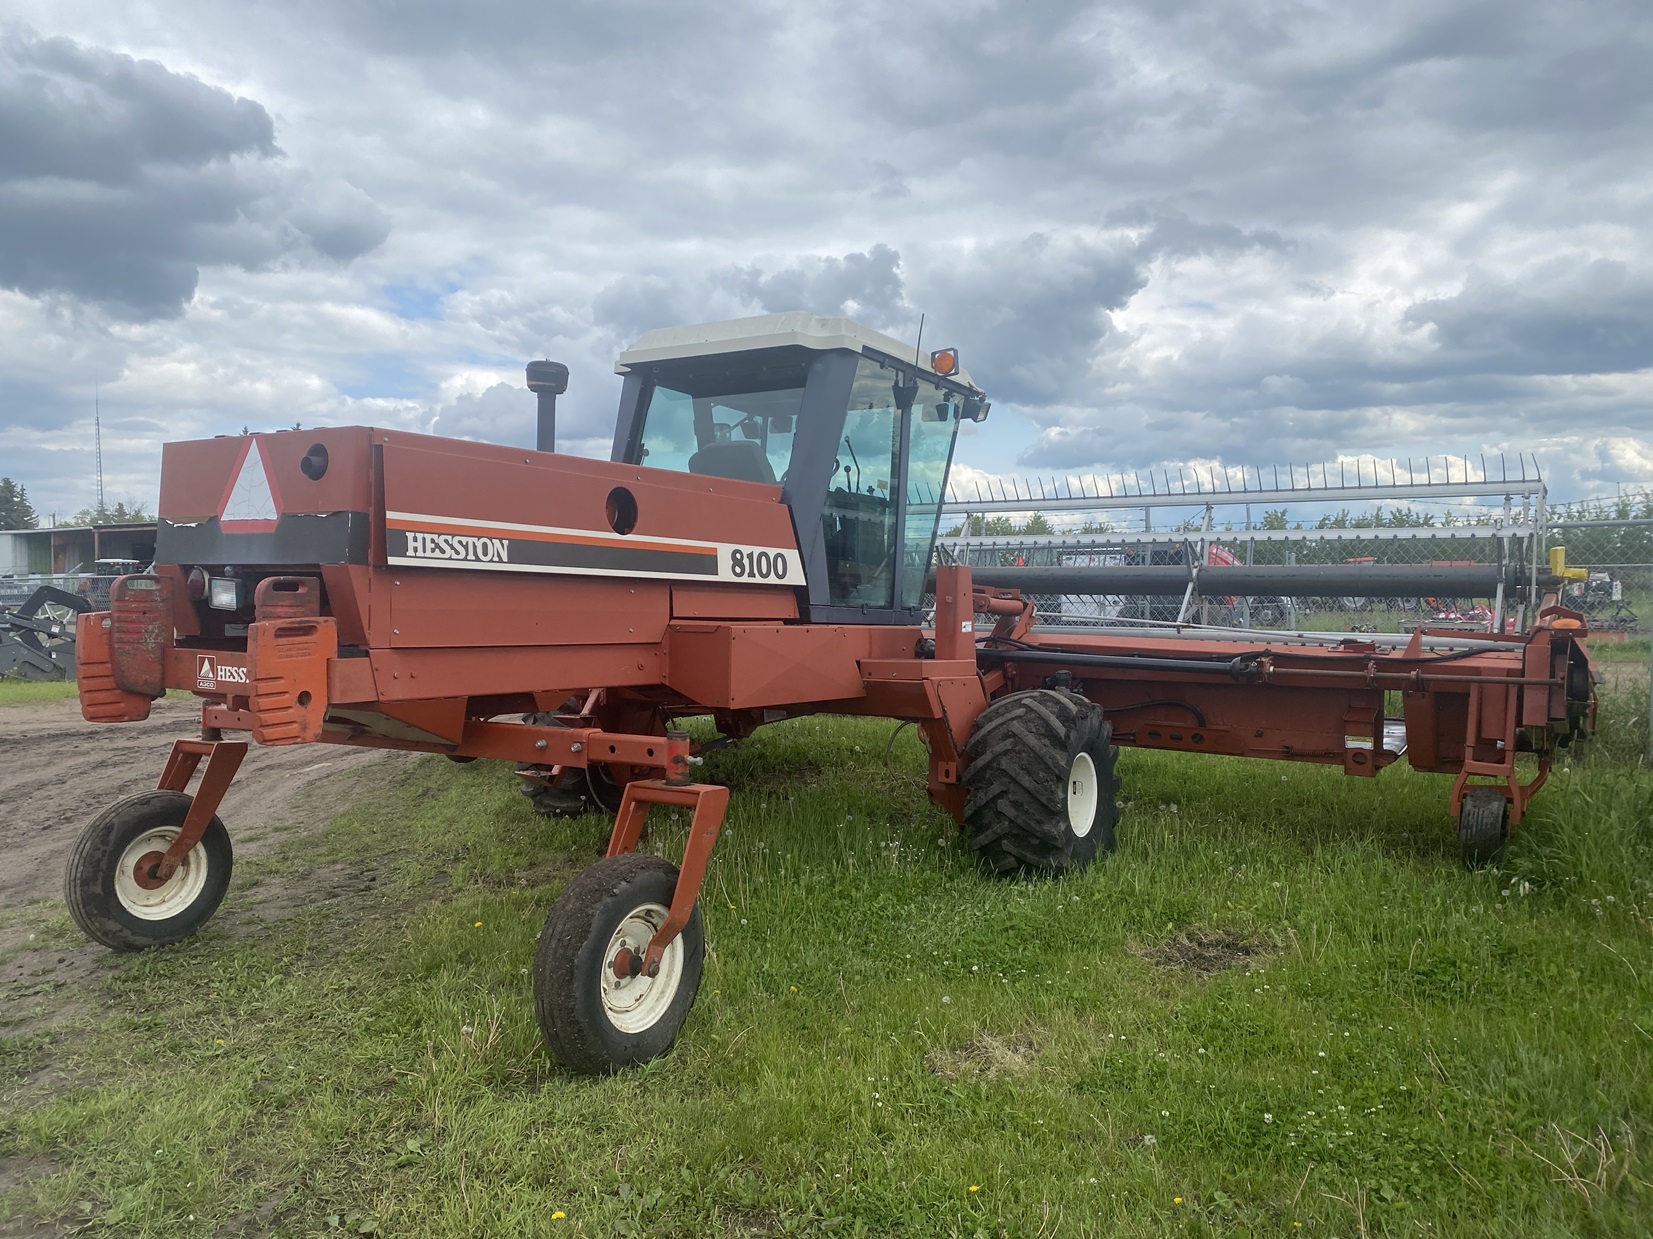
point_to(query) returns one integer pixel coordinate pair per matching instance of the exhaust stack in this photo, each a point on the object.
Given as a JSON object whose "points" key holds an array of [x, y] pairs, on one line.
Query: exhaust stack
{"points": [[547, 380]]}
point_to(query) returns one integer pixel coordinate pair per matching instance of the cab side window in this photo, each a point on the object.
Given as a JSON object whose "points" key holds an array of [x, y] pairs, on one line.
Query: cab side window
{"points": [[725, 425]]}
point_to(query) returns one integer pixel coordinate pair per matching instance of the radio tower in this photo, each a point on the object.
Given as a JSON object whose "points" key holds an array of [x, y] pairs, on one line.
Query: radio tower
{"points": [[97, 443]]}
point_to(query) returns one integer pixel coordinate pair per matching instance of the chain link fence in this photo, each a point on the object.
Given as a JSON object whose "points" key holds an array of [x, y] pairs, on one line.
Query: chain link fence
{"points": [[1613, 545], [16, 590]]}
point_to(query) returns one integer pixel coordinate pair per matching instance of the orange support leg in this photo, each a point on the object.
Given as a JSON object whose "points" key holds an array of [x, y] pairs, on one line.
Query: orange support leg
{"points": [[709, 803], [223, 760]]}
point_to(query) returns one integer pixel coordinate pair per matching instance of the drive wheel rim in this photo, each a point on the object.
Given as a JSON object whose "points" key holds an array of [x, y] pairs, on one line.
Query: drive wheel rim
{"points": [[171, 898], [1083, 794], [635, 1004]]}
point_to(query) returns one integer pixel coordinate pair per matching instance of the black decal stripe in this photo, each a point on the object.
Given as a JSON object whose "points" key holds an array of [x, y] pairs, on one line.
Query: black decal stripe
{"points": [[531, 554], [298, 538]]}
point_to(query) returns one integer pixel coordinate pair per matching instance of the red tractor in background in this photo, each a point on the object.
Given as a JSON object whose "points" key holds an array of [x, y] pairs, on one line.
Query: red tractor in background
{"points": [[758, 547]]}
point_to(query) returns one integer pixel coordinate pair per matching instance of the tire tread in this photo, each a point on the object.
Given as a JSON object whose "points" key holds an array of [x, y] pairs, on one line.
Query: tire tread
{"points": [[1015, 782]]}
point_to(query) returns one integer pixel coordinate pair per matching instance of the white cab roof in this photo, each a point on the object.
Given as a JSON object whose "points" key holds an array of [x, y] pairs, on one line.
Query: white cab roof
{"points": [[740, 335]]}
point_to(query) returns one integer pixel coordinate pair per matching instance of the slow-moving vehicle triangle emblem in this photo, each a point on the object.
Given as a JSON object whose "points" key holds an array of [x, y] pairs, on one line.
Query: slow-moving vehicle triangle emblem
{"points": [[250, 507]]}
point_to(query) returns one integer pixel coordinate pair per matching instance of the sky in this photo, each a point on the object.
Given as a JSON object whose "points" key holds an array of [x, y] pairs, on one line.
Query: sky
{"points": [[1160, 233]]}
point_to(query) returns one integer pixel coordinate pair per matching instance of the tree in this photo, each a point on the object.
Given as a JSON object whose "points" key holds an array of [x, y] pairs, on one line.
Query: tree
{"points": [[16, 512], [121, 514]]}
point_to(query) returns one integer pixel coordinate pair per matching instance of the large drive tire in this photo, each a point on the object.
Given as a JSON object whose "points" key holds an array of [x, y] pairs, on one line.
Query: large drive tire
{"points": [[102, 887], [1483, 827], [595, 1021], [1040, 784]]}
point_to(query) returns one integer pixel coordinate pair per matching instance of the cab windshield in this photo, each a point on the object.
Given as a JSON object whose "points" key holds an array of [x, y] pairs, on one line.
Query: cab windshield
{"points": [[865, 528]]}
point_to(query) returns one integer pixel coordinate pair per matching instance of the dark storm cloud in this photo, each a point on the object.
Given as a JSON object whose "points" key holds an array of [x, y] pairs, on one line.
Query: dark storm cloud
{"points": [[1039, 309], [1574, 317], [862, 285], [119, 179]]}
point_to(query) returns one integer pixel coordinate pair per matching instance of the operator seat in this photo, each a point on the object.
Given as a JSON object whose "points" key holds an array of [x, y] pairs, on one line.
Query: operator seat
{"points": [[743, 460]]}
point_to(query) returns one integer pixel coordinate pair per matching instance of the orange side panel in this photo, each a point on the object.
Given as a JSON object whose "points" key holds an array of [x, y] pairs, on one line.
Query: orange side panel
{"points": [[347, 593], [350, 680], [415, 675], [738, 602], [741, 666], [195, 475], [435, 607]]}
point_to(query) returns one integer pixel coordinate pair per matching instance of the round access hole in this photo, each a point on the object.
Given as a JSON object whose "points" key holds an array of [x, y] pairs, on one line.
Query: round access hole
{"points": [[622, 510]]}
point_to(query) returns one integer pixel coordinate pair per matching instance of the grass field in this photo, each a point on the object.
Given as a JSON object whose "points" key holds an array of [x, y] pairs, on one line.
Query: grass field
{"points": [[23, 692], [1280, 1008]]}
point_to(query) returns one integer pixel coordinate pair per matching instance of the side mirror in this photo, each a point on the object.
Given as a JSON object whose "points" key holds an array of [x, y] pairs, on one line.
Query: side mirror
{"points": [[780, 424]]}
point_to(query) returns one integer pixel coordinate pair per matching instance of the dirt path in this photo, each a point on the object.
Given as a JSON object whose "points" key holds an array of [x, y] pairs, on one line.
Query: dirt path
{"points": [[57, 772]]}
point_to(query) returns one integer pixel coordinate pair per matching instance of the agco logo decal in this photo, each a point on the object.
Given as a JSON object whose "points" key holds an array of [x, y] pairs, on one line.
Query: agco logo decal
{"points": [[208, 674]]}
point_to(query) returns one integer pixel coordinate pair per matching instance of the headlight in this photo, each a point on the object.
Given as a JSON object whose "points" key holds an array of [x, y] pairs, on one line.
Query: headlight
{"points": [[224, 593]]}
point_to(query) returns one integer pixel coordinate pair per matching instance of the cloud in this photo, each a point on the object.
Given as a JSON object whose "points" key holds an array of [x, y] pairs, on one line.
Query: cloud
{"points": [[501, 413], [1039, 321], [1155, 230], [120, 179], [865, 286], [1574, 315]]}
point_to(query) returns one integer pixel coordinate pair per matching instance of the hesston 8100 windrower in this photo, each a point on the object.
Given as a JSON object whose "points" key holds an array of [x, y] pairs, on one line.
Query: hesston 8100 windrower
{"points": [[758, 548]]}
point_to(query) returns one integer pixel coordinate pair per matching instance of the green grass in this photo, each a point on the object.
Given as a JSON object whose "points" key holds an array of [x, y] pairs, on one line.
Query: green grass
{"points": [[886, 1042], [26, 692], [1630, 650]]}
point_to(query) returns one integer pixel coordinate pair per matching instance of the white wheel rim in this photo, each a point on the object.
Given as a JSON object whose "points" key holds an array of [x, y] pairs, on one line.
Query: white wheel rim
{"points": [[1082, 795], [172, 897], [636, 1004]]}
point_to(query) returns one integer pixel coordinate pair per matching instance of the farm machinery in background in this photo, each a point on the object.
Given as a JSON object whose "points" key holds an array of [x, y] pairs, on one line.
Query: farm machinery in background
{"points": [[759, 547], [38, 616], [1600, 598], [37, 637]]}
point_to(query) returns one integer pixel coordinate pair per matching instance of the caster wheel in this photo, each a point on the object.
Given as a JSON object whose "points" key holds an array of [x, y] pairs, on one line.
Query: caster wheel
{"points": [[597, 1010], [108, 886], [1483, 827]]}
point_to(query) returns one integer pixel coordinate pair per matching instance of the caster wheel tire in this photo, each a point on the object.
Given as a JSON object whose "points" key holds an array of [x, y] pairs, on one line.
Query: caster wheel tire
{"points": [[1483, 827], [1040, 785], [595, 1017], [107, 884], [566, 798], [576, 793]]}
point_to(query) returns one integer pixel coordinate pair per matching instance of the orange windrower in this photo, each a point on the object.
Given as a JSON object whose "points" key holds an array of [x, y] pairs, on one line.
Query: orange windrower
{"points": [[758, 549]]}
